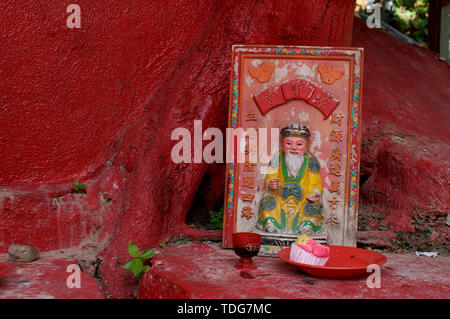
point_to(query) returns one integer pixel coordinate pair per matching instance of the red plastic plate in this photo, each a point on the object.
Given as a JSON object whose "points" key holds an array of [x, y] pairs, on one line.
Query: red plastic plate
{"points": [[344, 262], [3, 269]]}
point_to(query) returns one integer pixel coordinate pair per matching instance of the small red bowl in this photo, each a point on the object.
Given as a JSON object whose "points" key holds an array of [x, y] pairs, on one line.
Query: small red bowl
{"points": [[247, 244], [240, 239], [344, 262]]}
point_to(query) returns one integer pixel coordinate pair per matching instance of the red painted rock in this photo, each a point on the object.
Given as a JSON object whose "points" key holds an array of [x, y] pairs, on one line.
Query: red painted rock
{"points": [[54, 275], [98, 105], [405, 151]]}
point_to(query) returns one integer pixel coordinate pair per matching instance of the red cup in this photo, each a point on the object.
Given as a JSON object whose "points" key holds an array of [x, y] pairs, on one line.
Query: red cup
{"points": [[246, 246]]}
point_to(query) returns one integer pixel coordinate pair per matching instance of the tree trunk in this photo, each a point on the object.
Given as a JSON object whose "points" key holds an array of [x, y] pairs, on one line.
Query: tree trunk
{"points": [[198, 90]]}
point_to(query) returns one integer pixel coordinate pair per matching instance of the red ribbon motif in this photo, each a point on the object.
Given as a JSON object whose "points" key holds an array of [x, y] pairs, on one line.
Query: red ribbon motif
{"points": [[298, 89]]}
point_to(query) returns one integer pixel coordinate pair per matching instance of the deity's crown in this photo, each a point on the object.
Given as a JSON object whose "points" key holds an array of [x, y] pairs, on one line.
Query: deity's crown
{"points": [[295, 129]]}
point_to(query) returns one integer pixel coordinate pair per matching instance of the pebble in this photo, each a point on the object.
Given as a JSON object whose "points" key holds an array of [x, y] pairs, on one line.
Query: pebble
{"points": [[20, 253]]}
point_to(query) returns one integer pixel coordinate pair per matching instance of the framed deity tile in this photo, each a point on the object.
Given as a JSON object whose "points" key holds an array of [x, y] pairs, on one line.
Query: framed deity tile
{"points": [[295, 117]]}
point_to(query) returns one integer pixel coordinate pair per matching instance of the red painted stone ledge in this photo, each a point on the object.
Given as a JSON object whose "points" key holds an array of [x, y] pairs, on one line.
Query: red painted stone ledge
{"points": [[45, 278], [207, 271]]}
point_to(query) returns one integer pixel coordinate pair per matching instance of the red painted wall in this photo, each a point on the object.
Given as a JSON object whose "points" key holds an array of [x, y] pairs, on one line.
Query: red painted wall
{"points": [[67, 95]]}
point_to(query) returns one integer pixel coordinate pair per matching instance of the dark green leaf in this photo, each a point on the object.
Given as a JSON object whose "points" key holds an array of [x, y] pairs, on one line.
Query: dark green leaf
{"points": [[136, 266], [145, 268], [147, 254], [133, 250], [127, 266]]}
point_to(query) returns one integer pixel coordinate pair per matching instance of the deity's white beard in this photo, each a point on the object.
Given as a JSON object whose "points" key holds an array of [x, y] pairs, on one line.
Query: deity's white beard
{"points": [[294, 163]]}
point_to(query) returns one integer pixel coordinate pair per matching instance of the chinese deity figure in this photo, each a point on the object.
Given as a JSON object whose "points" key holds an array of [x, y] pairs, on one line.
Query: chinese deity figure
{"points": [[292, 203]]}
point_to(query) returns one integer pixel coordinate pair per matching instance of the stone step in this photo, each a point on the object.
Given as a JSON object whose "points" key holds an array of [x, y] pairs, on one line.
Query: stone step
{"points": [[207, 271], [45, 278]]}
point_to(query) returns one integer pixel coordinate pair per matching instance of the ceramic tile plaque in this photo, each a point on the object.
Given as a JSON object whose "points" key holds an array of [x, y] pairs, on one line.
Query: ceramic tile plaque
{"points": [[295, 118]]}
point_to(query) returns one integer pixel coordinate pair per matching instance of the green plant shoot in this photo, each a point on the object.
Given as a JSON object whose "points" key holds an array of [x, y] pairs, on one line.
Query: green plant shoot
{"points": [[136, 266]]}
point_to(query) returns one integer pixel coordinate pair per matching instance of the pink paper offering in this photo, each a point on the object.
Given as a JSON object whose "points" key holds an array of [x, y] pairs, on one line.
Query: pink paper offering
{"points": [[306, 250]]}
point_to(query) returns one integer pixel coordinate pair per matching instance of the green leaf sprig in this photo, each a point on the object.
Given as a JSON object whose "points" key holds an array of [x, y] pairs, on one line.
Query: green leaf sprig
{"points": [[137, 264], [78, 187]]}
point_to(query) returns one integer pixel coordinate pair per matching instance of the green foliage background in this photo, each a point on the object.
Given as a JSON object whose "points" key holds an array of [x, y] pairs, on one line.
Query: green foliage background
{"points": [[408, 16], [216, 219], [411, 18]]}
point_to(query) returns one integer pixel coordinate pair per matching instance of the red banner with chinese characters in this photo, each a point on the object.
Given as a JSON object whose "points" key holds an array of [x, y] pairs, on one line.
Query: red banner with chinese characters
{"points": [[298, 89]]}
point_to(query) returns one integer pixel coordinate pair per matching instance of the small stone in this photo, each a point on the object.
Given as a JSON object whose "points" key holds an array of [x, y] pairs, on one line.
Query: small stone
{"points": [[309, 281], [247, 275], [20, 253]]}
